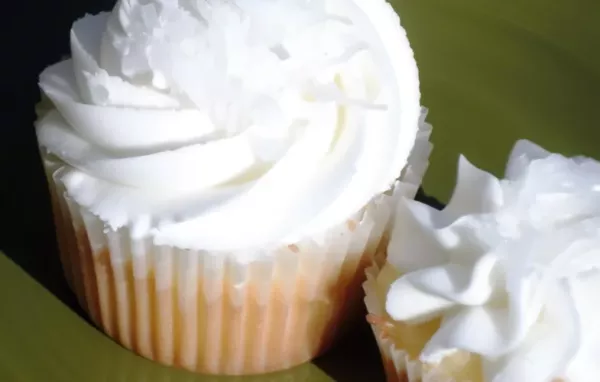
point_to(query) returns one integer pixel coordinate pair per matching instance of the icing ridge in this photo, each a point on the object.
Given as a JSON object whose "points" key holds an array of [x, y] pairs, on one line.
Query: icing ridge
{"points": [[511, 265], [191, 119]]}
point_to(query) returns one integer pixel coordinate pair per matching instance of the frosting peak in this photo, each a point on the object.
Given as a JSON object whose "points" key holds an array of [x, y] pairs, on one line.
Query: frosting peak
{"points": [[241, 62], [511, 265], [232, 124]]}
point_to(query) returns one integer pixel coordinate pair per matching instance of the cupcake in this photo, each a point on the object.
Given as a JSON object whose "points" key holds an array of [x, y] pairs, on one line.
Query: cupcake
{"points": [[222, 172], [501, 285]]}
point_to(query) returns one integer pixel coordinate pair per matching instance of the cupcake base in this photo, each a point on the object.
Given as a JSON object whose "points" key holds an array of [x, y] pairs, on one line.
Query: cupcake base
{"points": [[210, 312]]}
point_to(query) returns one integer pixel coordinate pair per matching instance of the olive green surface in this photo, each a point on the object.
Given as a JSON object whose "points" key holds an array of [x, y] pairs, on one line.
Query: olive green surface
{"points": [[492, 71]]}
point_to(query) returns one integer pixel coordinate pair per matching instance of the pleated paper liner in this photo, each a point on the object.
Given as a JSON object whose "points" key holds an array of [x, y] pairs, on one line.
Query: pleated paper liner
{"points": [[207, 312], [400, 344], [210, 313]]}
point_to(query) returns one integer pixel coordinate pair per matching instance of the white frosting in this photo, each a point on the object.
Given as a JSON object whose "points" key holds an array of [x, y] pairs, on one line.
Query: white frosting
{"points": [[512, 266], [221, 125]]}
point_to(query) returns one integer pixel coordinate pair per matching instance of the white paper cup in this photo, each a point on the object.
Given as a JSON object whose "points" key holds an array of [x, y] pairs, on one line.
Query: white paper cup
{"points": [[211, 312]]}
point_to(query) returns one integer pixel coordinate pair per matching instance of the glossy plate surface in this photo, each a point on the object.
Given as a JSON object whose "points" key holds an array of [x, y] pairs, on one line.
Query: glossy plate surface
{"points": [[491, 72]]}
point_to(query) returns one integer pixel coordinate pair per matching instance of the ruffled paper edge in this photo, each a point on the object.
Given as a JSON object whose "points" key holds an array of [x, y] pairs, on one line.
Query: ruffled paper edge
{"points": [[398, 364], [408, 185], [411, 178], [418, 159], [394, 359]]}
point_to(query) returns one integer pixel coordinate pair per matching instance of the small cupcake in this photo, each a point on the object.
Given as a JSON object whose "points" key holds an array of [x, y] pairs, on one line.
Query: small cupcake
{"points": [[501, 285], [223, 171]]}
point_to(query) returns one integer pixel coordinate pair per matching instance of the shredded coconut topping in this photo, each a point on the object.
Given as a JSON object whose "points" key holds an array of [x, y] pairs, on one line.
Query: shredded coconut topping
{"points": [[240, 60]]}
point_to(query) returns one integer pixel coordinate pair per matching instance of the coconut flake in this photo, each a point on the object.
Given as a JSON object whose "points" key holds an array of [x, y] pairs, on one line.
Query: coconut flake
{"points": [[226, 57]]}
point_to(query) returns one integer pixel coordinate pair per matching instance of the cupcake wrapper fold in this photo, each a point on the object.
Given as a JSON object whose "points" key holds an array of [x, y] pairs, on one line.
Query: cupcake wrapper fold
{"points": [[412, 175], [399, 366], [211, 312], [208, 312]]}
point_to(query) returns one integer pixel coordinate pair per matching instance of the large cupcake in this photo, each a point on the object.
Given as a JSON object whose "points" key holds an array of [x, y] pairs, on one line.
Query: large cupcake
{"points": [[500, 286], [223, 171]]}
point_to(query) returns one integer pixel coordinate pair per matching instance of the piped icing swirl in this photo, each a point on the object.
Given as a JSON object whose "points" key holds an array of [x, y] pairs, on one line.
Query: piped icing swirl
{"points": [[512, 266], [221, 125]]}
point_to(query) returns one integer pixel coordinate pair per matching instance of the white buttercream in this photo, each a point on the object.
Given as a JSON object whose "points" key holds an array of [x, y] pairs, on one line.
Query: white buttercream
{"points": [[220, 125], [512, 266]]}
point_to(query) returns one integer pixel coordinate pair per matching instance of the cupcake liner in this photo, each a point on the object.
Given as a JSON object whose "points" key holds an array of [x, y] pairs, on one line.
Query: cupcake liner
{"points": [[412, 175], [398, 364], [211, 312]]}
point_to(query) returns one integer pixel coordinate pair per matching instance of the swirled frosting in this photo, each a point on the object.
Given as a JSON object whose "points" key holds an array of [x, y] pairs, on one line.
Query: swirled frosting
{"points": [[220, 125], [511, 265]]}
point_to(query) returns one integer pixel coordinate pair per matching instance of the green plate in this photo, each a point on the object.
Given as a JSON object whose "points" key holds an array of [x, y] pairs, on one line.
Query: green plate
{"points": [[492, 71]]}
